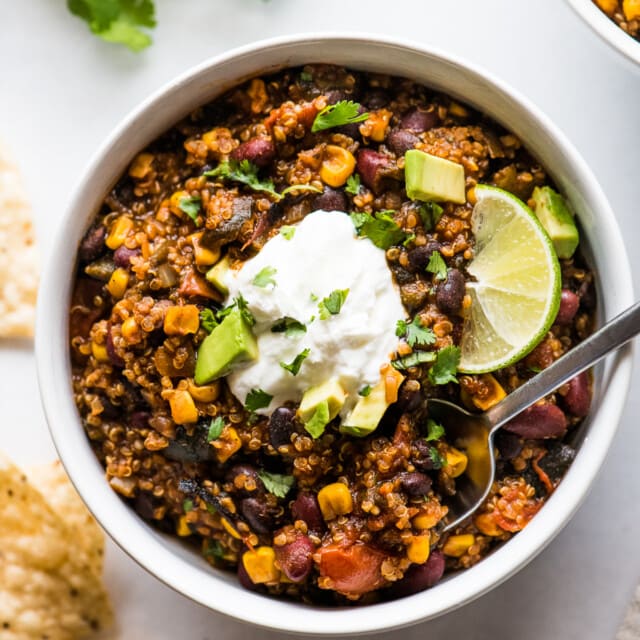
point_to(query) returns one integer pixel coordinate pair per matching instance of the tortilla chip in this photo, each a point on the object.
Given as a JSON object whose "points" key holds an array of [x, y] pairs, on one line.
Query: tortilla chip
{"points": [[47, 587], [18, 255], [54, 484]]}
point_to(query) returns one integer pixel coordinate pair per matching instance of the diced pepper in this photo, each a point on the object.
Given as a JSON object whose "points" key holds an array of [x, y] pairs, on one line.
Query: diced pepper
{"points": [[181, 320], [118, 282], [260, 564], [183, 409], [335, 500], [118, 232], [338, 164]]}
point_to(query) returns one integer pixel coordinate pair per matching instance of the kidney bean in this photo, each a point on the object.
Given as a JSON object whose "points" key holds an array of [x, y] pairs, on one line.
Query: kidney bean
{"points": [[244, 579], [419, 120], [509, 444], [257, 514], [305, 507], [420, 256], [140, 419], [401, 140], [281, 426], [450, 293], [296, 558], [122, 256], [569, 303], [115, 359], [415, 484], [259, 151], [420, 576], [539, 421], [370, 163], [92, 245], [577, 400], [330, 200]]}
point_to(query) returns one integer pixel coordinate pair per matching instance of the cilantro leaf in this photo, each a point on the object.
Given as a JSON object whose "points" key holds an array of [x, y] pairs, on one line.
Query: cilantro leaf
{"points": [[265, 277], [318, 421], [435, 431], [415, 333], [305, 76], [413, 360], [276, 483], [257, 399], [445, 366], [243, 307], [409, 239], [335, 115], [287, 232], [380, 228], [437, 266], [353, 184], [331, 305], [208, 320], [290, 327], [437, 460], [213, 549], [117, 21], [294, 366], [244, 172], [430, 213], [365, 391], [191, 206], [187, 504], [215, 429]]}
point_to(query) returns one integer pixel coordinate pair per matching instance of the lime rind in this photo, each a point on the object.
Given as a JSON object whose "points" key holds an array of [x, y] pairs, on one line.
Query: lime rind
{"points": [[514, 300]]}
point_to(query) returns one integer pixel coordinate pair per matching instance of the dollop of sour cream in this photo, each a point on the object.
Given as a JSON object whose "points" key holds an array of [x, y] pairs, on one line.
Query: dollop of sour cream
{"points": [[322, 254]]}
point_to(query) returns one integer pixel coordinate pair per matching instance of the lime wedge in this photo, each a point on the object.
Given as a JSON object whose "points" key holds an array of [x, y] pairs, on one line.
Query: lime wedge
{"points": [[516, 293]]}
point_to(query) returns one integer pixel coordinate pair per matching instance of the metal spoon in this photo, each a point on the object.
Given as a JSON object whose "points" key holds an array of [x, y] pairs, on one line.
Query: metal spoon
{"points": [[474, 433]]}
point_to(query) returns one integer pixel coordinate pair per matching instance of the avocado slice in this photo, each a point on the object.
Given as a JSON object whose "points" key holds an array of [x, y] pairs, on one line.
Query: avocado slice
{"points": [[231, 343], [320, 405], [366, 415], [217, 274], [556, 218], [430, 178]]}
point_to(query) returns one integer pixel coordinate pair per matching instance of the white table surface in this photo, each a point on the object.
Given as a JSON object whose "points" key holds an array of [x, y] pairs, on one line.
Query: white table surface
{"points": [[62, 91]]}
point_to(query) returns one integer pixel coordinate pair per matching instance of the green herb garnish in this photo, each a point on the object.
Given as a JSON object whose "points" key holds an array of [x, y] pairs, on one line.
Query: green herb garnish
{"points": [[415, 333], [365, 391], [430, 213], [353, 184], [242, 306], [437, 460], [187, 504], [257, 399], [264, 277], [290, 327], [215, 429], [287, 232], [276, 483], [409, 239], [437, 266], [445, 366], [294, 366], [213, 549], [435, 431], [413, 360], [191, 206], [380, 228], [331, 305], [208, 320], [338, 114], [305, 76]]}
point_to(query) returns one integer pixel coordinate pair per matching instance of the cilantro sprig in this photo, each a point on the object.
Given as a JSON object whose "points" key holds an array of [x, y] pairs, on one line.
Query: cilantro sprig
{"points": [[215, 429], [257, 399], [290, 327], [294, 366], [445, 366], [430, 214], [380, 228], [264, 277], [331, 305], [437, 266], [191, 206], [435, 431], [353, 184], [338, 114], [415, 333], [242, 305], [276, 483], [208, 320], [365, 391]]}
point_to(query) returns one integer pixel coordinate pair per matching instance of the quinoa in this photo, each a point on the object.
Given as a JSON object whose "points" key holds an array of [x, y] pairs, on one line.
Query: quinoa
{"points": [[332, 519]]}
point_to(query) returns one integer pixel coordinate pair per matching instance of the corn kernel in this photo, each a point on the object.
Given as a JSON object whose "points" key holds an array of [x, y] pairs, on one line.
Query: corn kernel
{"points": [[230, 529], [419, 549], [456, 462], [118, 232], [260, 565], [183, 528], [486, 524], [181, 320], [141, 165], [175, 200], [426, 520], [99, 352], [335, 500], [227, 444], [494, 394], [631, 9], [118, 282], [130, 330], [204, 256], [456, 546], [183, 409], [205, 393], [608, 6], [337, 166]]}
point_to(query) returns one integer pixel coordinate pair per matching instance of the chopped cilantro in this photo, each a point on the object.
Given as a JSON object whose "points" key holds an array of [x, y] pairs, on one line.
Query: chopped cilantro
{"points": [[415, 333], [313, 297], [365, 391], [191, 206], [257, 399], [265, 277], [437, 460], [409, 239], [380, 228], [413, 359], [331, 305], [276, 483], [430, 213], [437, 266], [208, 320], [294, 366], [290, 327], [243, 307], [318, 421], [353, 184], [435, 431], [338, 114], [305, 76], [287, 232], [187, 504], [244, 172], [215, 429], [445, 366], [213, 549]]}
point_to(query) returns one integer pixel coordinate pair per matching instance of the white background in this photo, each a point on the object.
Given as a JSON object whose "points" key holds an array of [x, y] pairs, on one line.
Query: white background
{"points": [[62, 91]]}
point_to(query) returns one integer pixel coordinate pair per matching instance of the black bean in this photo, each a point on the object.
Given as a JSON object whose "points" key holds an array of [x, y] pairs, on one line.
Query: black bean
{"points": [[140, 419], [122, 256], [305, 507], [410, 399], [422, 456], [259, 151], [281, 426], [419, 120], [92, 245], [400, 141], [256, 512], [296, 558], [144, 505], [509, 444], [376, 99], [420, 576], [415, 484], [557, 460], [330, 200], [420, 256], [402, 275], [190, 448], [249, 472], [450, 293]]}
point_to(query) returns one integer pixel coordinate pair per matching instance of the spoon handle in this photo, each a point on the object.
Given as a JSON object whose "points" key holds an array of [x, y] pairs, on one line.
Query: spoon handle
{"points": [[611, 336]]}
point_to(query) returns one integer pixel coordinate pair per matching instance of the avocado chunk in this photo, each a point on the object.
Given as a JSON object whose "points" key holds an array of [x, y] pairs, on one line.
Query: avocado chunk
{"points": [[230, 344], [217, 274], [320, 405], [429, 178], [366, 415], [556, 218]]}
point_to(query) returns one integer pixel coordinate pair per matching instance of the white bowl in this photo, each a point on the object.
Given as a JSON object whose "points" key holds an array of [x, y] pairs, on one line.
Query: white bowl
{"points": [[165, 557], [607, 29]]}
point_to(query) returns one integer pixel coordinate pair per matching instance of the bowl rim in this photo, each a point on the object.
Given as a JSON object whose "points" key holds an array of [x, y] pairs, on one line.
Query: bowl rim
{"points": [[607, 29], [144, 546]]}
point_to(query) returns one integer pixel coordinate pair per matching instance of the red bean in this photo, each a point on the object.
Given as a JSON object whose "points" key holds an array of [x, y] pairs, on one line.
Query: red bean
{"points": [[539, 421], [305, 507], [122, 256], [296, 558], [92, 244], [419, 120], [577, 400], [259, 151], [420, 576], [569, 303], [450, 293], [370, 163], [401, 140], [115, 359]]}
